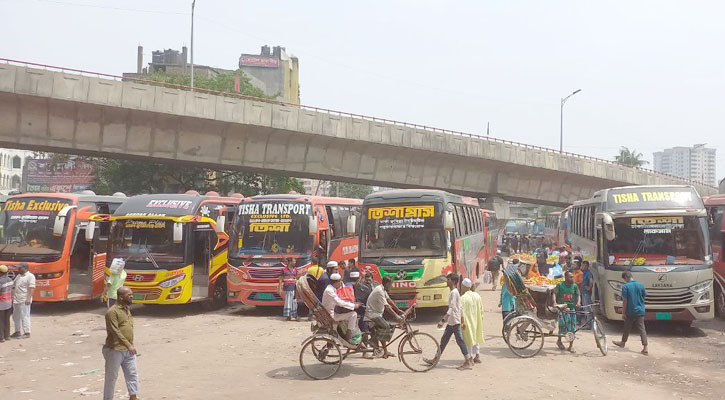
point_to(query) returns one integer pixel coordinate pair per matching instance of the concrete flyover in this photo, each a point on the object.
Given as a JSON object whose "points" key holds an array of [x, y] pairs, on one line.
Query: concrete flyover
{"points": [[74, 112]]}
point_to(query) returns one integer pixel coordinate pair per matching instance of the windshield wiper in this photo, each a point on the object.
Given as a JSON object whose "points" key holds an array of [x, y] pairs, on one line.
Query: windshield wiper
{"points": [[149, 255]]}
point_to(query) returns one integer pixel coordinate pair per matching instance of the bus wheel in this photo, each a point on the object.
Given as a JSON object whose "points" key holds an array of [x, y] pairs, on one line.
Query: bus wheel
{"points": [[719, 301], [219, 295]]}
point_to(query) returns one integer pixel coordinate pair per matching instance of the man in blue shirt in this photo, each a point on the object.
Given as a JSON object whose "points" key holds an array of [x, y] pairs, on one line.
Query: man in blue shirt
{"points": [[633, 308], [587, 287]]}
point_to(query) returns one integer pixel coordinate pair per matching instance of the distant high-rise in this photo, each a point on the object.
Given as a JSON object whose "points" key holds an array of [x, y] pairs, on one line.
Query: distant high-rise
{"points": [[696, 163]]}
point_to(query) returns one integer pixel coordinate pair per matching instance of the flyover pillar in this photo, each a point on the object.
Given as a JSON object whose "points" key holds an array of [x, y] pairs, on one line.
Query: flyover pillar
{"points": [[499, 205]]}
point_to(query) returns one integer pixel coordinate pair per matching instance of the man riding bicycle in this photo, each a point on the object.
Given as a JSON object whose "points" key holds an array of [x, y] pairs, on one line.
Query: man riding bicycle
{"points": [[378, 301]]}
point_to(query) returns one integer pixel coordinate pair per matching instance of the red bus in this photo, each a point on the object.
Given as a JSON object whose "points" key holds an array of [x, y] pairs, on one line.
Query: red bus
{"points": [[268, 228], [417, 237], [490, 233], [715, 206], [62, 237], [556, 228]]}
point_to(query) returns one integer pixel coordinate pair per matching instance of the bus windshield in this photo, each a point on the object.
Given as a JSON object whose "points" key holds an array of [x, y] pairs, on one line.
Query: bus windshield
{"points": [[146, 244], [26, 228], [271, 227], [403, 230], [538, 227], [521, 227], [659, 240]]}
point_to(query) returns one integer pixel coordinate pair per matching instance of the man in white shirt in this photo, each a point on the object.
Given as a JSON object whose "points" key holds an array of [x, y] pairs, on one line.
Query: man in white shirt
{"points": [[330, 299], [23, 288], [378, 301], [455, 321]]}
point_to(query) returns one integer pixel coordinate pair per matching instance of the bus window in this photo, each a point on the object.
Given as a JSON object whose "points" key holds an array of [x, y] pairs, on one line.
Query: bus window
{"points": [[655, 238]]}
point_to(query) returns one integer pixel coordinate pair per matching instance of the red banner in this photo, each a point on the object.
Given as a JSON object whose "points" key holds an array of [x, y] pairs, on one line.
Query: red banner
{"points": [[69, 176], [258, 61]]}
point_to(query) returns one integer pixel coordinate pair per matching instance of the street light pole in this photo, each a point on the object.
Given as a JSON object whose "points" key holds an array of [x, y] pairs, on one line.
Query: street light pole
{"points": [[193, 3], [561, 120]]}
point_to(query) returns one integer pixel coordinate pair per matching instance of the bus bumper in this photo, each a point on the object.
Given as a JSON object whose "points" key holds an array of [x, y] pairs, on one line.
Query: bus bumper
{"points": [[254, 294], [687, 313], [432, 297]]}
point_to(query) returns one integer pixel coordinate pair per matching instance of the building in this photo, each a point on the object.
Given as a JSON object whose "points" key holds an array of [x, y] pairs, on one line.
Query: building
{"points": [[170, 61], [275, 72], [12, 162], [696, 163], [316, 187]]}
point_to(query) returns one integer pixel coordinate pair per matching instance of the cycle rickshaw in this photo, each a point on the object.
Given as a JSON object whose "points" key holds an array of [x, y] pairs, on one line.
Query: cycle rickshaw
{"points": [[324, 351]]}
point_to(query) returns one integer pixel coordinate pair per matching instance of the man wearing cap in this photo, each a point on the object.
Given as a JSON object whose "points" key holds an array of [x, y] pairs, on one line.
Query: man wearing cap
{"points": [[23, 288], [330, 300], [472, 308], [6, 303]]}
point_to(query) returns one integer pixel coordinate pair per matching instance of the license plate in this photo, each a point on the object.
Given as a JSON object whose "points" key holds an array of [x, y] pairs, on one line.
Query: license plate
{"points": [[663, 316], [265, 296], [138, 297], [403, 304]]}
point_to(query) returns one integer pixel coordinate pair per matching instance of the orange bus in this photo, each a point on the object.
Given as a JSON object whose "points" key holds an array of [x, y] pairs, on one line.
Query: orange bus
{"points": [[174, 246], [417, 237], [62, 237], [268, 228]]}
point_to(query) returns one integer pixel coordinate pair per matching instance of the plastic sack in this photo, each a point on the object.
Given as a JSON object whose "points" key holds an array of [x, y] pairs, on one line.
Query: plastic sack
{"points": [[556, 271], [487, 277], [117, 265], [346, 293]]}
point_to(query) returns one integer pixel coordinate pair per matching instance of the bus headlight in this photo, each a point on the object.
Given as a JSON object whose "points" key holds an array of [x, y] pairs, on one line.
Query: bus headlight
{"points": [[436, 281], [173, 281], [616, 285], [702, 286]]}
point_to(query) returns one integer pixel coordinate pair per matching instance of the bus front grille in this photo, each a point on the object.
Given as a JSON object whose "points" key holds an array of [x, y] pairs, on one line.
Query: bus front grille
{"points": [[265, 273], [668, 296]]}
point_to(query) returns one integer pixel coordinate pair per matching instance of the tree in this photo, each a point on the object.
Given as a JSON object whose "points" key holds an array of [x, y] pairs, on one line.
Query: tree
{"points": [[350, 190], [630, 157], [222, 82]]}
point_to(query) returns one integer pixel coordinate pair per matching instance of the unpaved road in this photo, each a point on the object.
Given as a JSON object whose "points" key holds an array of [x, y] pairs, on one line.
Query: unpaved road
{"points": [[247, 353]]}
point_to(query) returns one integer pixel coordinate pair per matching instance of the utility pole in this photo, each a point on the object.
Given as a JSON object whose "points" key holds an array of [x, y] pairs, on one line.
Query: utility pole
{"points": [[193, 3], [561, 120]]}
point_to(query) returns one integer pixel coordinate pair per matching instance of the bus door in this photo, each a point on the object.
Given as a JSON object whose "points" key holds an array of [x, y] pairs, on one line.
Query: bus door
{"points": [[81, 273], [202, 257]]}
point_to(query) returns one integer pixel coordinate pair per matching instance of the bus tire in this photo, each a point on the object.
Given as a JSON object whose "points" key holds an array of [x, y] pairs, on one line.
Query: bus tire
{"points": [[218, 297], [719, 301], [600, 308]]}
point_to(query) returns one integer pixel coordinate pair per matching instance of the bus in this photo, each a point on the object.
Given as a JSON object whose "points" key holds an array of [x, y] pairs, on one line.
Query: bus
{"points": [[268, 228], [174, 246], [660, 234], [556, 228], [62, 237], [715, 206], [490, 233], [417, 237]]}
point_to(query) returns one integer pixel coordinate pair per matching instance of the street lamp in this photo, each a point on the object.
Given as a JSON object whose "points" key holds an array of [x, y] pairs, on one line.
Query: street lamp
{"points": [[561, 120], [193, 3]]}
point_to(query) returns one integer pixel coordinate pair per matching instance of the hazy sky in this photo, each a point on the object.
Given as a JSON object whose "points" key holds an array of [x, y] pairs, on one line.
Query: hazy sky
{"points": [[651, 72]]}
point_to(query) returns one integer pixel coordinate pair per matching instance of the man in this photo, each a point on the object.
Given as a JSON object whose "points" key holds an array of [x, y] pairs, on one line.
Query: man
{"points": [[587, 284], [455, 320], [541, 263], [494, 266], [287, 285], [379, 301], [330, 300], [472, 306], [119, 351], [115, 280], [23, 288], [633, 294], [362, 287], [6, 303], [350, 267], [566, 298], [332, 267]]}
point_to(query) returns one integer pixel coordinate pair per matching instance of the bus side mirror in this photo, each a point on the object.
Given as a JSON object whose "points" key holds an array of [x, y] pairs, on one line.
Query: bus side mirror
{"points": [[90, 231], [608, 226], [178, 232], [60, 220], [351, 222], [220, 223], [448, 221], [312, 225]]}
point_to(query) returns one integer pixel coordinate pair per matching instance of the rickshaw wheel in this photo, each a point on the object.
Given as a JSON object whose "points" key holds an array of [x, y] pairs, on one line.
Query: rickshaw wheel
{"points": [[523, 335], [419, 351], [320, 358]]}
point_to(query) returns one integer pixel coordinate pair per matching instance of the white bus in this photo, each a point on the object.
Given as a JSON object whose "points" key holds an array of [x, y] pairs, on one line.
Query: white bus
{"points": [[660, 234]]}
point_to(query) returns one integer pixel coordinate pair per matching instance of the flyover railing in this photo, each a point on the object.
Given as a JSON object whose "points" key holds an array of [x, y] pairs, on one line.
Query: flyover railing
{"points": [[343, 114]]}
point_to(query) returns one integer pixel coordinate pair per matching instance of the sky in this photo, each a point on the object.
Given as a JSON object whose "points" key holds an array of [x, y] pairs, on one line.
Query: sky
{"points": [[651, 73]]}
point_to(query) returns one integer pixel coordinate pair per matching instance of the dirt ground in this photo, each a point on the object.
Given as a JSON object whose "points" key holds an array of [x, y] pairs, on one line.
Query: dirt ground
{"points": [[246, 352]]}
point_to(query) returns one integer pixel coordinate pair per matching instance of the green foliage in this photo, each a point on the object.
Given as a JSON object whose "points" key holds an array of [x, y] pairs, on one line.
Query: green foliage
{"points": [[630, 157], [223, 82], [350, 190]]}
